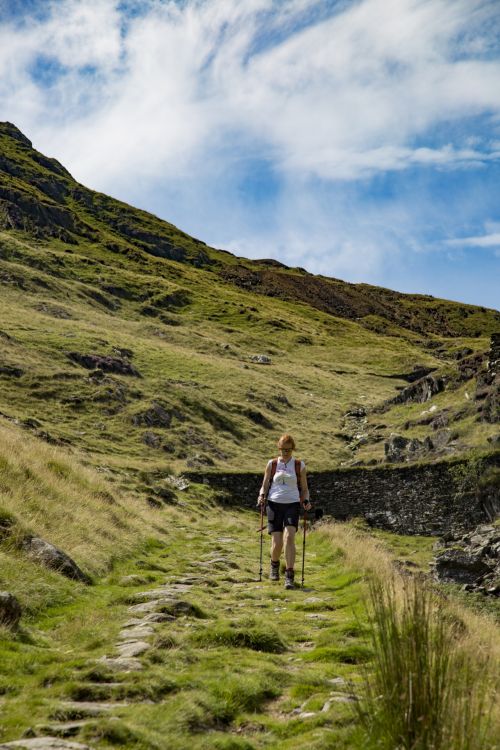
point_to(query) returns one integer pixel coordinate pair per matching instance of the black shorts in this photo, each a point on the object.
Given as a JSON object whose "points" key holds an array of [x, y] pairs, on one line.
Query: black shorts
{"points": [[280, 515]]}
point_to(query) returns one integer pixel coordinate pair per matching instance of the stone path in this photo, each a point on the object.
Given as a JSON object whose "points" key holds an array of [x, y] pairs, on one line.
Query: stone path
{"points": [[149, 612], [153, 608]]}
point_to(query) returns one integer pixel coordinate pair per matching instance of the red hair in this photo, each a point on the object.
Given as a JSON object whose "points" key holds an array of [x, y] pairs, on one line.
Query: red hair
{"points": [[286, 438]]}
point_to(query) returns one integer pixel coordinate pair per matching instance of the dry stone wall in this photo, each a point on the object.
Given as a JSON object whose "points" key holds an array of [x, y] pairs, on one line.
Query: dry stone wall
{"points": [[430, 499]]}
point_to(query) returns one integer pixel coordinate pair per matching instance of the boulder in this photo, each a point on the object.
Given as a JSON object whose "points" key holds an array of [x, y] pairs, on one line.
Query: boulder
{"points": [[459, 566], [440, 420], [51, 557], [441, 439], [180, 483], [473, 560], [10, 610], [261, 359], [399, 448]]}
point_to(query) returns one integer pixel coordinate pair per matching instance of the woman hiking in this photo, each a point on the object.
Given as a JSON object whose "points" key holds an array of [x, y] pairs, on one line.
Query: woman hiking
{"points": [[285, 489]]}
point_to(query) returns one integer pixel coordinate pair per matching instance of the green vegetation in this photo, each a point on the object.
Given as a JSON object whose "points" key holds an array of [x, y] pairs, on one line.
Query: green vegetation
{"points": [[89, 453], [422, 691], [82, 272]]}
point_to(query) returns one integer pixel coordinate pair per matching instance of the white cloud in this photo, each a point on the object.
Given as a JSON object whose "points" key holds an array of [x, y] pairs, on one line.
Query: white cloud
{"points": [[486, 240], [343, 98]]}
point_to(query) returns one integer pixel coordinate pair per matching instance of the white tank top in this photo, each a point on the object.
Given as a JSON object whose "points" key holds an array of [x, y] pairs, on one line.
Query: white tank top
{"points": [[284, 488]]}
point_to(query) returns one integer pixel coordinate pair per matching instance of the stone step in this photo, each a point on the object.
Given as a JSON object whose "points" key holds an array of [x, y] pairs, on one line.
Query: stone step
{"points": [[121, 664], [152, 617], [64, 728], [132, 649], [45, 743], [150, 606], [136, 633]]}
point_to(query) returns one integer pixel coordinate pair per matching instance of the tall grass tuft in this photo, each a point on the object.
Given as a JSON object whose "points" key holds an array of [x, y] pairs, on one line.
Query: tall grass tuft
{"points": [[422, 692]]}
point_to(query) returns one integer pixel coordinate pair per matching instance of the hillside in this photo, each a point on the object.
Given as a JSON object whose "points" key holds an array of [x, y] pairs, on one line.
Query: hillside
{"points": [[124, 337]]}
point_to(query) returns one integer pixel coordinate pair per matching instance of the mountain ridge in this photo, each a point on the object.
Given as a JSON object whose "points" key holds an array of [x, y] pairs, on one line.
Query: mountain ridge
{"points": [[228, 350], [63, 208]]}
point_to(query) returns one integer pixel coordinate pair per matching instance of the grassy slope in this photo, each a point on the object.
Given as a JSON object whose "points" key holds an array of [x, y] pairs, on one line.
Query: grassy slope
{"points": [[193, 333], [201, 687]]}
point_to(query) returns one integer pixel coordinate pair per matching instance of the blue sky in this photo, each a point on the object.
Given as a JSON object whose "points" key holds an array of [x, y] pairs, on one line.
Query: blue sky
{"points": [[359, 139]]}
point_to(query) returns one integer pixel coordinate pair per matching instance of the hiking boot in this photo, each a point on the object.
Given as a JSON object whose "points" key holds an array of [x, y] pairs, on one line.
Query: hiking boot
{"points": [[274, 574], [289, 578]]}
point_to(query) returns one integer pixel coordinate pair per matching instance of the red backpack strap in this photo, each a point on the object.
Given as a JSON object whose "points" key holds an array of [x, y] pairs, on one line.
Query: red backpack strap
{"points": [[274, 464], [298, 467]]}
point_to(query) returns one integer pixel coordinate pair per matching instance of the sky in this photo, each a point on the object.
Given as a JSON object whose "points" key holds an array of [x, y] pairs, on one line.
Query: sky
{"points": [[359, 139]]}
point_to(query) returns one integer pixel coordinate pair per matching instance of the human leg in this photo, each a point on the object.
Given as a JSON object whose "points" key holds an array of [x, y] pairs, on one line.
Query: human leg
{"points": [[289, 543], [276, 545]]}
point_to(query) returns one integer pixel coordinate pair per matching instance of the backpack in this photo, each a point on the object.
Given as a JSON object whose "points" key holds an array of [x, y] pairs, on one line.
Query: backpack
{"points": [[274, 466]]}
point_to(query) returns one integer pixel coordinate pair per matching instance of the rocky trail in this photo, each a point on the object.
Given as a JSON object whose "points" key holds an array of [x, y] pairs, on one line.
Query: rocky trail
{"points": [[202, 656]]}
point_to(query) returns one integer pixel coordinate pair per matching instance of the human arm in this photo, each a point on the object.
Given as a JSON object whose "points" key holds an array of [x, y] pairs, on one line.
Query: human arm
{"points": [[304, 489], [264, 490]]}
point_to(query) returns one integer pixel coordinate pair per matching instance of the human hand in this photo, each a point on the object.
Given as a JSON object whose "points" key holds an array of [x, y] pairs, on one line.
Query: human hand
{"points": [[261, 500], [307, 505]]}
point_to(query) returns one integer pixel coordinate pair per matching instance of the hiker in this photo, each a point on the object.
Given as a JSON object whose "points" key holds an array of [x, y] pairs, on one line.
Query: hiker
{"points": [[285, 489]]}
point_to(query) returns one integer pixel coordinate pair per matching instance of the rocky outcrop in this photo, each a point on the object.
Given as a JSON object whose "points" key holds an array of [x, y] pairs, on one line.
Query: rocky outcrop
{"points": [[418, 392], [158, 415], [51, 557], [470, 366], [472, 559], [399, 448], [151, 439], [10, 610], [118, 365], [42, 218], [418, 372], [488, 398], [494, 353], [11, 371]]}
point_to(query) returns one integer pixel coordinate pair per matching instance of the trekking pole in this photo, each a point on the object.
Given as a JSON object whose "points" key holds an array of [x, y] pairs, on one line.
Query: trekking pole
{"points": [[304, 546], [261, 538]]}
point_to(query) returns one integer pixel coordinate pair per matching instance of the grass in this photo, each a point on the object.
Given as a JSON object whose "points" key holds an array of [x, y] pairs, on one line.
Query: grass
{"points": [[409, 622], [254, 638], [422, 691], [244, 674]]}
